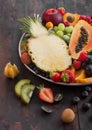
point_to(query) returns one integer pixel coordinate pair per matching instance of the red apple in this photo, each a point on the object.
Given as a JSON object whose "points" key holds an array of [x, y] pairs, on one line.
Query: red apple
{"points": [[52, 15]]}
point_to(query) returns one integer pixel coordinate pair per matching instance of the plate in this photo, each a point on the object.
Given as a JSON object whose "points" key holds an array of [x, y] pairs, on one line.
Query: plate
{"points": [[41, 75]]}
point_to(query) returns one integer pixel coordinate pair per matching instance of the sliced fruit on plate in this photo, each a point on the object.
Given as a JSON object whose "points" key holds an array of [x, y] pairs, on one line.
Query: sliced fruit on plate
{"points": [[80, 75], [19, 85], [81, 39], [85, 80], [47, 51], [27, 92], [71, 18]]}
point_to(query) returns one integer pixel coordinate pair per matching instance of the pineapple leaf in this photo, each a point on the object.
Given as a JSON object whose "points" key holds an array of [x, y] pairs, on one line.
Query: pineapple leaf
{"points": [[32, 26]]}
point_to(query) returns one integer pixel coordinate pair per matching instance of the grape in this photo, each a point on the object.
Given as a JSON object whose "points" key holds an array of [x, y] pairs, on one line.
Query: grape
{"points": [[69, 29], [55, 28], [61, 27], [60, 33], [66, 38]]}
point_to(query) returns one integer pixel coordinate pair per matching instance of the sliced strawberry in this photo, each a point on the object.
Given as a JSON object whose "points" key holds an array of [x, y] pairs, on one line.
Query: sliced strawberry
{"points": [[55, 76], [46, 95], [25, 58], [68, 76]]}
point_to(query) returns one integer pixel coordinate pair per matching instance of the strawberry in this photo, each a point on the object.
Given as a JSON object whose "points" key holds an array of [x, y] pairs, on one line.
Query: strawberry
{"points": [[55, 76], [25, 58], [77, 64], [83, 56], [68, 76], [61, 10], [46, 94]]}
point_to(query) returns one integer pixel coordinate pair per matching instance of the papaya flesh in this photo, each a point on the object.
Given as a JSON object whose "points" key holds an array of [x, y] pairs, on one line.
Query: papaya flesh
{"points": [[81, 39]]}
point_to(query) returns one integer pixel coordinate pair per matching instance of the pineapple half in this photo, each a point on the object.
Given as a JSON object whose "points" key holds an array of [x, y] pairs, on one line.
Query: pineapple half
{"points": [[47, 51]]}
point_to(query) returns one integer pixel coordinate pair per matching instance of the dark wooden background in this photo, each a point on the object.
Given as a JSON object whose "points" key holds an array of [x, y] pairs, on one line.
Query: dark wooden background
{"points": [[14, 115]]}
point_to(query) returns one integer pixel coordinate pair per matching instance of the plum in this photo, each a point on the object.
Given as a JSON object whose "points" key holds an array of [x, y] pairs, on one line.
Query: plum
{"points": [[52, 15]]}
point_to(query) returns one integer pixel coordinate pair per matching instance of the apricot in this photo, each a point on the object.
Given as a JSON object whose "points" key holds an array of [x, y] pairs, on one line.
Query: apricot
{"points": [[68, 115]]}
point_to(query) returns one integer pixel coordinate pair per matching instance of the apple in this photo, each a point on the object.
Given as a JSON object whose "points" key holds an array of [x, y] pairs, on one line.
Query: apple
{"points": [[52, 15]]}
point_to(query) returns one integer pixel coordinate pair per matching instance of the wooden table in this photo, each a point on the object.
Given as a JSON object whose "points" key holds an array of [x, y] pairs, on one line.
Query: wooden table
{"points": [[14, 115]]}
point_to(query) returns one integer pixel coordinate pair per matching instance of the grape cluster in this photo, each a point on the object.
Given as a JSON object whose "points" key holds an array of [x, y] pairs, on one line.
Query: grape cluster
{"points": [[63, 32]]}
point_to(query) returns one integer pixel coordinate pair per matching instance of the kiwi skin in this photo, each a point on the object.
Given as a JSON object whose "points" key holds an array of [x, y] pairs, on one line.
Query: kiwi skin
{"points": [[27, 92], [19, 85]]}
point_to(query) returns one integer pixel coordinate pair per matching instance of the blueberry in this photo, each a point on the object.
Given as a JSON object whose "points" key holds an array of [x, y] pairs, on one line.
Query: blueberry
{"points": [[86, 106], [87, 88], [75, 100], [88, 70], [85, 94]]}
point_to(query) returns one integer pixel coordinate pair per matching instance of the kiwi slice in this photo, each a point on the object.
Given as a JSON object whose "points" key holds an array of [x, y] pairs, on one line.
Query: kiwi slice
{"points": [[27, 92], [19, 85]]}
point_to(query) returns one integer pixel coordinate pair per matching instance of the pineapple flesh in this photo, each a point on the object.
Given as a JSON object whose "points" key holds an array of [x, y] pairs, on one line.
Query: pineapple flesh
{"points": [[47, 51]]}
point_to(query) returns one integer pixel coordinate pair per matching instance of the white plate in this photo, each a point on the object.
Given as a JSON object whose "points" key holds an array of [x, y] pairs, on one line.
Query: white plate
{"points": [[43, 77]]}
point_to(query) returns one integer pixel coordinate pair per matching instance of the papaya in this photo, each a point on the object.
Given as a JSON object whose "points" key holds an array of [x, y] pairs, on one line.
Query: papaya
{"points": [[71, 18], [81, 39]]}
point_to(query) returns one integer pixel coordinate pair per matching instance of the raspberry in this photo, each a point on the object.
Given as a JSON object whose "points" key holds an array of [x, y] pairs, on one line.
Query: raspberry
{"points": [[66, 24], [77, 64], [83, 56]]}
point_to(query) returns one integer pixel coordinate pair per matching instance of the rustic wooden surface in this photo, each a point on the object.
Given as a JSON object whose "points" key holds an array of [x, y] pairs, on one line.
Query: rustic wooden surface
{"points": [[14, 115]]}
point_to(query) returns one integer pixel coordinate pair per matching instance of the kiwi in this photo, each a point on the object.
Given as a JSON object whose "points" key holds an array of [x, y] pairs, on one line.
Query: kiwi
{"points": [[19, 85], [27, 92]]}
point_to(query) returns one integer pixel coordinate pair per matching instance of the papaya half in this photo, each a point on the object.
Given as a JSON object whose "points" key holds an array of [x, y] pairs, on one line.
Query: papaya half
{"points": [[81, 39]]}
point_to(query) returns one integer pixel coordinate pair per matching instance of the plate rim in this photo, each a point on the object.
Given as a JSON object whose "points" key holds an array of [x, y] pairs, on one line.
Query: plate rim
{"points": [[46, 79]]}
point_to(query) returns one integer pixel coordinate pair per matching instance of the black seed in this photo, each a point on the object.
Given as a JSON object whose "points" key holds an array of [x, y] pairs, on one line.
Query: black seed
{"points": [[84, 94], [46, 109], [58, 97], [82, 39], [75, 100], [87, 88], [86, 106]]}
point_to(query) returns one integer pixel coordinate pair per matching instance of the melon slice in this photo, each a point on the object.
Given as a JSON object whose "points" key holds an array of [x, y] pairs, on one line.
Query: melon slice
{"points": [[81, 39]]}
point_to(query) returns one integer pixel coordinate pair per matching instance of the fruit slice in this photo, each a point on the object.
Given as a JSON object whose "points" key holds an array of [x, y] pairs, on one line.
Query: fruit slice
{"points": [[19, 85], [81, 39], [72, 19], [47, 51], [79, 75], [85, 80], [27, 92], [46, 95]]}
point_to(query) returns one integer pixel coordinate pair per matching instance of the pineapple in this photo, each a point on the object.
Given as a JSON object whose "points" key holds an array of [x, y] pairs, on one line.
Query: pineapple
{"points": [[47, 51]]}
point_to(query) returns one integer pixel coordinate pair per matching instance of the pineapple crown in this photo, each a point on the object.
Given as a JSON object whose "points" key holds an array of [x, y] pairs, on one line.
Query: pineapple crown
{"points": [[28, 22]]}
